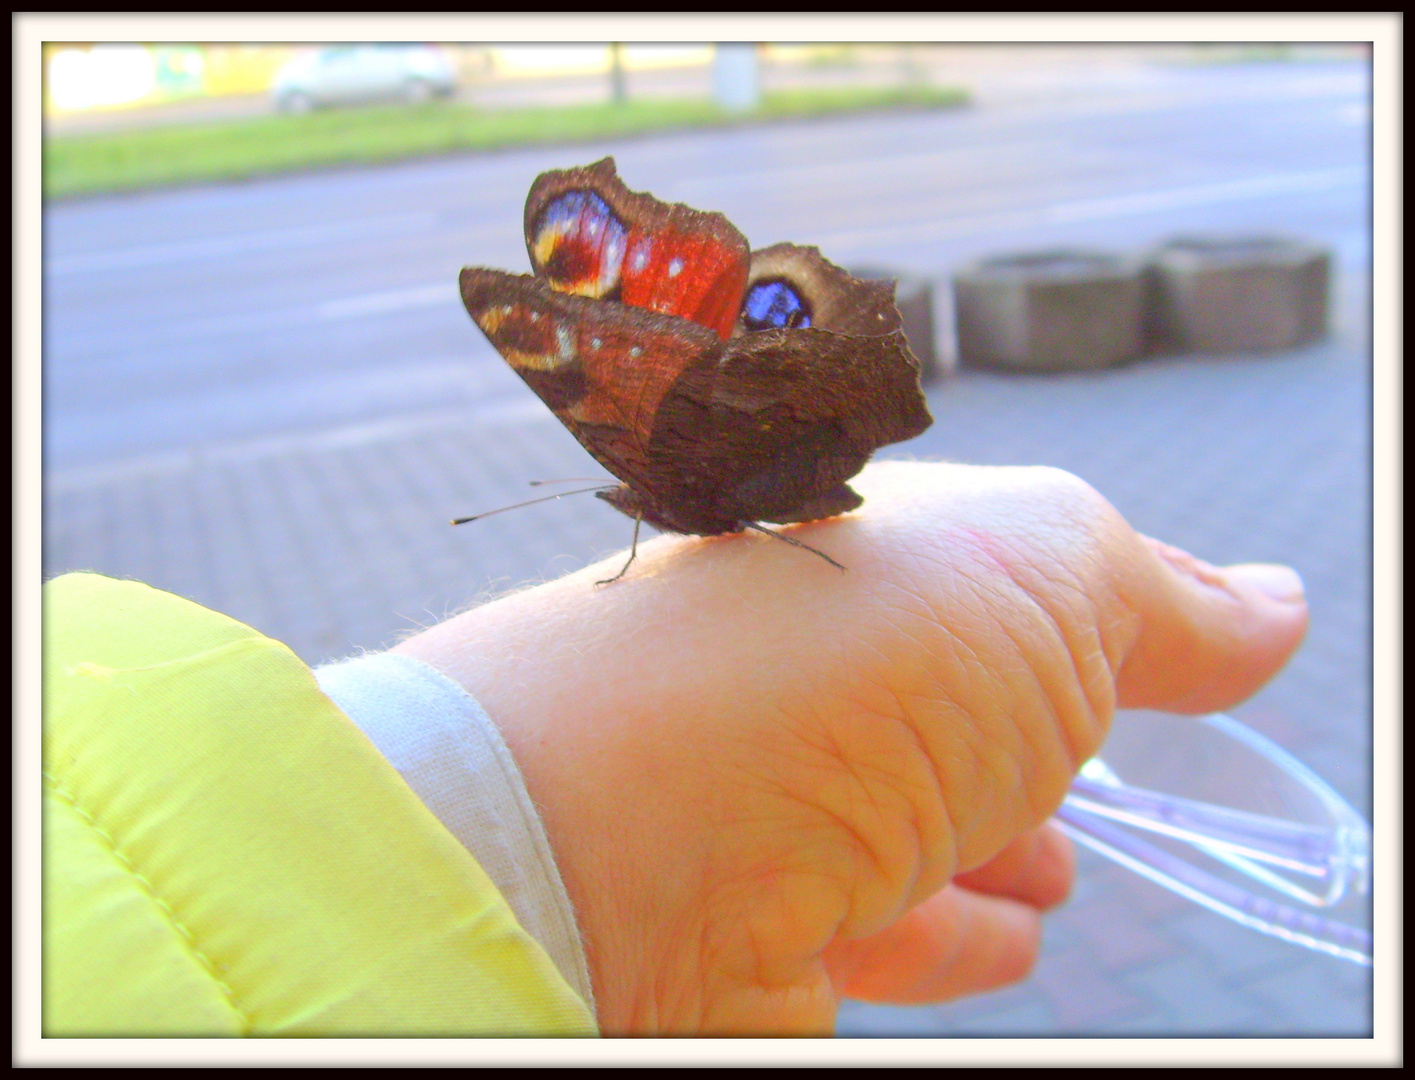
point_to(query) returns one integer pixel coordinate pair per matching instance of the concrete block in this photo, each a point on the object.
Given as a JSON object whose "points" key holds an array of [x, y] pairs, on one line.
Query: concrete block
{"points": [[1061, 310], [1218, 294]]}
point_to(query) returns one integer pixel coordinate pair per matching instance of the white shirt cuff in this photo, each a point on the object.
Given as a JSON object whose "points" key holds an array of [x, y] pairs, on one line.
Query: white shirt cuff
{"points": [[453, 757]]}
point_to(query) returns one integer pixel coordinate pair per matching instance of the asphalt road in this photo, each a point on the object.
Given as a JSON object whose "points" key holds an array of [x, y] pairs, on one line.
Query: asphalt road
{"points": [[267, 397]]}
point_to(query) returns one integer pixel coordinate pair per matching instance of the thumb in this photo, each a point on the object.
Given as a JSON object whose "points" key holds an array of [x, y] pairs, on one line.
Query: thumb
{"points": [[1209, 636]]}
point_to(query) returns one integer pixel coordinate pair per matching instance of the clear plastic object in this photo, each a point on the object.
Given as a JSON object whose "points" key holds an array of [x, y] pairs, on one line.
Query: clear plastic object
{"points": [[1226, 818]]}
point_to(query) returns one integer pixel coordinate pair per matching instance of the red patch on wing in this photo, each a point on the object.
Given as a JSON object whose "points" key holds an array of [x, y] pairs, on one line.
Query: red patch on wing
{"points": [[689, 274]]}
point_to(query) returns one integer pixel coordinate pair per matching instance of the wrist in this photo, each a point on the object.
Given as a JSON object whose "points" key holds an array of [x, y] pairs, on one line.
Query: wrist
{"points": [[607, 803]]}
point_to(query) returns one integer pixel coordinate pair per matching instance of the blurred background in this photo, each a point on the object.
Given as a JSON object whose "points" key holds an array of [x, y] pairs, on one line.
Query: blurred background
{"points": [[261, 391]]}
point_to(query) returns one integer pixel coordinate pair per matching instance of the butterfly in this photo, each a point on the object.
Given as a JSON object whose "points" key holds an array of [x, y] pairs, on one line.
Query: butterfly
{"points": [[724, 387]]}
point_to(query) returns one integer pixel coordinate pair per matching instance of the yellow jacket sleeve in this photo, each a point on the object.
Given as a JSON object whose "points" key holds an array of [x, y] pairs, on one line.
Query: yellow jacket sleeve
{"points": [[226, 854]]}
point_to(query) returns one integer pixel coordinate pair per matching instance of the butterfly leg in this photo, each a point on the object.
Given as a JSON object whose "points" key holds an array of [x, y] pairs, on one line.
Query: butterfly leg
{"points": [[633, 552], [793, 543]]}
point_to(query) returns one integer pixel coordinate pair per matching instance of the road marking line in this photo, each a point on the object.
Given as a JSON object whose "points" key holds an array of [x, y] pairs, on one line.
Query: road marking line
{"points": [[789, 178], [218, 246], [508, 409], [442, 292], [1144, 202]]}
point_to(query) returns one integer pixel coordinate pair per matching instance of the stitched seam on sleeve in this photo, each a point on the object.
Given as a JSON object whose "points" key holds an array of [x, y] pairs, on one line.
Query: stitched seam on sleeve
{"points": [[150, 889], [104, 673]]}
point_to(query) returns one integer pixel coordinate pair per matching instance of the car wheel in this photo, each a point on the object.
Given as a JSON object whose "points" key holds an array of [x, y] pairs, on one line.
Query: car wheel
{"points": [[417, 91], [296, 103]]}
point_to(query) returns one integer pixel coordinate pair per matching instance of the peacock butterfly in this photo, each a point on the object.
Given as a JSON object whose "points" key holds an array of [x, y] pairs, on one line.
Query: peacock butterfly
{"points": [[725, 387]]}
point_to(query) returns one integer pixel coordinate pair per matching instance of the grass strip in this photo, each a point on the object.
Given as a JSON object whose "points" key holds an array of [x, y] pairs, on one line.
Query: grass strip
{"points": [[265, 145]]}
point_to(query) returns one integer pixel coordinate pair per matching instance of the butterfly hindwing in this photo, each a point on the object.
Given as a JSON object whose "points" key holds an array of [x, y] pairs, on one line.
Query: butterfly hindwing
{"points": [[777, 423], [790, 286]]}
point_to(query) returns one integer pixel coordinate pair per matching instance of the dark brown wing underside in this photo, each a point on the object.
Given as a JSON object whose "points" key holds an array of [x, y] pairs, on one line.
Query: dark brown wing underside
{"points": [[708, 435], [772, 429]]}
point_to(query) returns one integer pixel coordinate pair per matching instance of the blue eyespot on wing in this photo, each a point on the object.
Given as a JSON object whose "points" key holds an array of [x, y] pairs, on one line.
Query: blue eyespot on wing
{"points": [[773, 304], [791, 287]]}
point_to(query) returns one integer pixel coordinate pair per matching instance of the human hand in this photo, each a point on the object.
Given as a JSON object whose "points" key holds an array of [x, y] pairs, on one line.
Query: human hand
{"points": [[761, 775]]}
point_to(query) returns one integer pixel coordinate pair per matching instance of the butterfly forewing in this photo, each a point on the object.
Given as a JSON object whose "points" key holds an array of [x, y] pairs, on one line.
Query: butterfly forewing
{"points": [[588, 234]]}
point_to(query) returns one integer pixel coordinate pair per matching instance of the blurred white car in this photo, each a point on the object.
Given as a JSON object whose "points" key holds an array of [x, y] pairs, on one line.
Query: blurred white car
{"points": [[346, 74]]}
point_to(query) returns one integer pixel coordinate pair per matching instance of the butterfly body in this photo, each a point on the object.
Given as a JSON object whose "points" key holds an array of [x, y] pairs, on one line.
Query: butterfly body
{"points": [[723, 387]]}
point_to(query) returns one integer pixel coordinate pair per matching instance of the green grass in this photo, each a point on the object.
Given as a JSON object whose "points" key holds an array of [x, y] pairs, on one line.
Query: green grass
{"points": [[260, 146]]}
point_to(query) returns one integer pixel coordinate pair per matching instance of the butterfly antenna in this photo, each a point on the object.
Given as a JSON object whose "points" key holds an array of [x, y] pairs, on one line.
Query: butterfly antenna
{"points": [[529, 502], [571, 480], [633, 551], [793, 543]]}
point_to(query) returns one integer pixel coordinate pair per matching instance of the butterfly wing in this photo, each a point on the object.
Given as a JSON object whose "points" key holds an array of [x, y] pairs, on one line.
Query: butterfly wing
{"points": [[777, 423], [817, 378], [589, 235], [789, 286], [603, 368]]}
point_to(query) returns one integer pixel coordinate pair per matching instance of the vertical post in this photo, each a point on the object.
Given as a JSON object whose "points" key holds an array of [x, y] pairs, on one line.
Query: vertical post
{"points": [[735, 84], [618, 93]]}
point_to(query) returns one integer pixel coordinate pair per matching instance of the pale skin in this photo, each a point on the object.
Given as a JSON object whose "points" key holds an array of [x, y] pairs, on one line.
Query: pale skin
{"points": [[770, 784]]}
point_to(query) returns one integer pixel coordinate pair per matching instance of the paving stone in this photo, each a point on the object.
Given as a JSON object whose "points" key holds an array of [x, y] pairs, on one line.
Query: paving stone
{"points": [[1115, 940], [1082, 993], [1237, 952], [1191, 1000], [1329, 999], [858, 1019], [1006, 1011], [1030, 1019]]}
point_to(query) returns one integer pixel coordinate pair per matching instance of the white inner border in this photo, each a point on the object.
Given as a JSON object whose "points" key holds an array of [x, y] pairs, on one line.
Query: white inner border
{"points": [[1383, 30]]}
